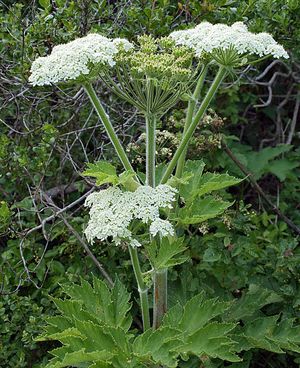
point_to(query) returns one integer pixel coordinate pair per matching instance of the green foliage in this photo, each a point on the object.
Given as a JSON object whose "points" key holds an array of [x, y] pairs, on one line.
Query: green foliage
{"points": [[236, 250], [93, 326], [106, 173], [197, 209], [5, 216], [94, 329], [168, 254], [20, 322], [268, 160]]}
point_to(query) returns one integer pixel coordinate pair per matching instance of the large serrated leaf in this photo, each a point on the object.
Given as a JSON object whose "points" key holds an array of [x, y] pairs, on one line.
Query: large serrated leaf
{"points": [[103, 172], [201, 210], [95, 321], [194, 170], [96, 336], [251, 302], [269, 333], [173, 316], [212, 340], [81, 356], [210, 182], [157, 345], [198, 312], [120, 306], [168, 254]]}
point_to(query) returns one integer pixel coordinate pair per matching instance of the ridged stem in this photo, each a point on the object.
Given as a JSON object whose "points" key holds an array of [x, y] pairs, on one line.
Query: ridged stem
{"points": [[150, 149], [190, 131], [108, 126], [160, 296], [142, 288], [189, 117]]}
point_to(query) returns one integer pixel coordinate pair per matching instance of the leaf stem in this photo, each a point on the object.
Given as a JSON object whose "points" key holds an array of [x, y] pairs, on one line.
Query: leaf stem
{"points": [[143, 290], [108, 126], [190, 131], [189, 117]]}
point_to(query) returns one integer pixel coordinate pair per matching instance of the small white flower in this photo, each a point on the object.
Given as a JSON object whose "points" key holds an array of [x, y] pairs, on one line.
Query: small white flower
{"points": [[123, 42], [111, 212], [207, 38], [161, 227], [75, 59], [134, 243]]}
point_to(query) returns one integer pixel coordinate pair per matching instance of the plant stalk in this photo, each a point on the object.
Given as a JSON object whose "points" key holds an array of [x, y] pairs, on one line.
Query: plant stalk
{"points": [[108, 126], [189, 117], [160, 297], [150, 149], [142, 288], [190, 131]]}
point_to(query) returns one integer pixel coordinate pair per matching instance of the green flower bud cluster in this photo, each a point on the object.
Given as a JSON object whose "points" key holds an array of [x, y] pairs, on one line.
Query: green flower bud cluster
{"points": [[158, 59]]}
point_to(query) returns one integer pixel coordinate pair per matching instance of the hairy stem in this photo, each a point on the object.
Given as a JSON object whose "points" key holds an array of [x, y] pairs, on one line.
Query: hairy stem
{"points": [[143, 290], [160, 296], [189, 117], [190, 131], [150, 150], [108, 126]]}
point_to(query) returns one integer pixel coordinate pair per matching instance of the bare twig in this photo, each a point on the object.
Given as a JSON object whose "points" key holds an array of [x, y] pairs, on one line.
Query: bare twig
{"points": [[80, 239], [294, 121]]}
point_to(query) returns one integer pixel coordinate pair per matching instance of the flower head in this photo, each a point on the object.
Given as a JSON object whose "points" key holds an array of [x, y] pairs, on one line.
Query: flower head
{"points": [[112, 211], [76, 60], [207, 38]]}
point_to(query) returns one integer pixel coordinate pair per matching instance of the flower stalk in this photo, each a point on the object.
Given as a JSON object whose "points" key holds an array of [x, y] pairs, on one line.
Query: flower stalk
{"points": [[189, 117], [150, 149], [142, 287], [199, 115], [108, 127]]}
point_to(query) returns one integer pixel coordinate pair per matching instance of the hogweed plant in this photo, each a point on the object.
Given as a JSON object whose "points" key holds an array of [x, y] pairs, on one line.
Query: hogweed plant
{"points": [[151, 213]]}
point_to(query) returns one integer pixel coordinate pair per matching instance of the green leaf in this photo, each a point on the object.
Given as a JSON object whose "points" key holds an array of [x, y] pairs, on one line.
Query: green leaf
{"points": [[212, 341], [96, 337], [210, 182], [168, 253], [251, 302], [103, 172], [120, 306], [45, 3], [157, 345], [259, 162], [93, 326], [5, 215], [173, 316], [269, 333], [81, 356], [194, 170], [198, 312], [282, 168], [201, 210]]}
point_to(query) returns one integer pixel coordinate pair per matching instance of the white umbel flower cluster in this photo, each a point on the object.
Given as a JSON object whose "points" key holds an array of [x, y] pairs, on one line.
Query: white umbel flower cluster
{"points": [[206, 38], [111, 212], [76, 59]]}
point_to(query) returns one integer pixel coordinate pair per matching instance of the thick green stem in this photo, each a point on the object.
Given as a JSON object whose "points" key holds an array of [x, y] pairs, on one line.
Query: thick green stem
{"points": [[108, 126], [160, 296], [150, 150], [190, 131], [189, 118], [143, 290]]}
